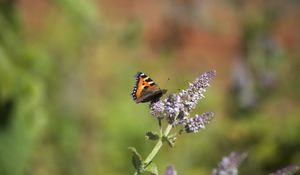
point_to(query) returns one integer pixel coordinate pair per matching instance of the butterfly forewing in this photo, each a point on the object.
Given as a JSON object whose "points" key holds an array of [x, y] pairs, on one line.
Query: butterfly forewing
{"points": [[146, 89]]}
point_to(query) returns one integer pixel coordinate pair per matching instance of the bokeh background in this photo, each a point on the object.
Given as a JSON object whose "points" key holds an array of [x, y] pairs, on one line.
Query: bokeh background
{"points": [[67, 70]]}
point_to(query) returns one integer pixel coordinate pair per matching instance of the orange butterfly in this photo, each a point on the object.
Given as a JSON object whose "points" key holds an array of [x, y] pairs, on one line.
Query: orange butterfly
{"points": [[145, 90]]}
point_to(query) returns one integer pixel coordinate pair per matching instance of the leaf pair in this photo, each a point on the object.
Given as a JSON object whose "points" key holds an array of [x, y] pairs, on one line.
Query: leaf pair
{"points": [[139, 165], [169, 139]]}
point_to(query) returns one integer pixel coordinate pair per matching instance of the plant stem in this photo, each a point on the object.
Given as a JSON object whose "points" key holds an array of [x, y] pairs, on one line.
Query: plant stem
{"points": [[160, 128], [168, 129], [157, 146]]}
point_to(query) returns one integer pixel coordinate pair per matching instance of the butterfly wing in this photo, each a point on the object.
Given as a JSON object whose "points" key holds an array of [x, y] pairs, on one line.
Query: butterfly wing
{"points": [[146, 89], [152, 95]]}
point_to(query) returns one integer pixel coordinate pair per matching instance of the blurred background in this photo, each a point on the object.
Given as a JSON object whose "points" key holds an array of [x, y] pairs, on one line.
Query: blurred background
{"points": [[67, 70]]}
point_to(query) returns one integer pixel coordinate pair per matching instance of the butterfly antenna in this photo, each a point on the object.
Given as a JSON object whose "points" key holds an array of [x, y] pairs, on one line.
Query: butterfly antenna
{"points": [[166, 84]]}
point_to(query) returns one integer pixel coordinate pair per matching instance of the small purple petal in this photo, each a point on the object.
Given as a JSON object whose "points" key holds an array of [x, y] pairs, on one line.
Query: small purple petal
{"points": [[170, 171]]}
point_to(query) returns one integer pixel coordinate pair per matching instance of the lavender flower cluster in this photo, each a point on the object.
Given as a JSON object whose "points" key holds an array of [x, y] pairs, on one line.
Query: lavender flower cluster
{"points": [[176, 108], [229, 165], [198, 122], [289, 170]]}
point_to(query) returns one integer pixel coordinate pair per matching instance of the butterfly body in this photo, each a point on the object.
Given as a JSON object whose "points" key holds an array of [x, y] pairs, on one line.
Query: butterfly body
{"points": [[145, 89]]}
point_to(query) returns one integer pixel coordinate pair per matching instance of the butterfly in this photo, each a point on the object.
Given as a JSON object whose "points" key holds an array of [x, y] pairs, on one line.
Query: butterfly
{"points": [[145, 89]]}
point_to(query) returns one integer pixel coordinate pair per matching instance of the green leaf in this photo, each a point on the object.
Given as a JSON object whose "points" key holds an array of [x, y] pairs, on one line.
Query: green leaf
{"points": [[136, 159], [152, 169], [152, 135]]}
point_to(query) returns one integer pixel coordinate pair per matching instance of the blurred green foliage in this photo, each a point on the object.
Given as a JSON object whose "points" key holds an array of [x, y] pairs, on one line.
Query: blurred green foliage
{"points": [[64, 90]]}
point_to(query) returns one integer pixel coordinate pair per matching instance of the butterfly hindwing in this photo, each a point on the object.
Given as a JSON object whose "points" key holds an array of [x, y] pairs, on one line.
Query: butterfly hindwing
{"points": [[146, 89]]}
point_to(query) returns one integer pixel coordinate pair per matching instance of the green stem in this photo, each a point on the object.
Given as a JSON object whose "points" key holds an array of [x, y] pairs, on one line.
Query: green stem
{"points": [[157, 147], [168, 129], [160, 127]]}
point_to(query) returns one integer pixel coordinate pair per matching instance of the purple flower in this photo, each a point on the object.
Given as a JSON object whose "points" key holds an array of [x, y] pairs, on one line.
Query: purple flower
{"points": [[177, 107], [170, 171], [157, 109], [193, 125], [172, 107], [191, 96], [229, 165], [289, 170]]}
